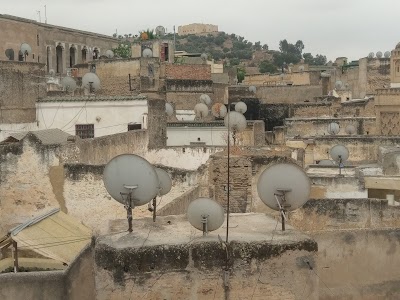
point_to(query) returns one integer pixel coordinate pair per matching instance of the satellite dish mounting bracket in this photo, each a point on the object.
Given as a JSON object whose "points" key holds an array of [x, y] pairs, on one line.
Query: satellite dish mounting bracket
{"points": [[204, 221], [129, 204], [280, 197]]}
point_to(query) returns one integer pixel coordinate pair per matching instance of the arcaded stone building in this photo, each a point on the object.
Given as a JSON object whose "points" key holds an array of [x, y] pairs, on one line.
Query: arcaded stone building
{"points": [[57, 47], [197, 28]]}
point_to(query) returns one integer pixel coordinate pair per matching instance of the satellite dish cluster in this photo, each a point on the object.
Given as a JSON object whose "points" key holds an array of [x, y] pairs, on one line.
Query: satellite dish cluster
{"points": [[133, 181], [160, 31], [379, 54], [90, 81]]}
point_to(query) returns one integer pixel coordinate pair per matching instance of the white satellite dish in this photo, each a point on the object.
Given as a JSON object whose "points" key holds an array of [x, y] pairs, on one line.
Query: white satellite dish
{"points": [[110, 54], [169, 109], [91, 82], [219, 110], [340, 154], [379, 54], [387, 54], [241, 107], [371, 55], [338, 85], [201, 110], [205, 214], [160, 30], [204, 56], [350, 129], [52, 73], [147, 53], [132, 181], [69, 84], [301, 69], [252, 89], [235, 121], [25, 49], [204, 98], [333, 128], [164, 187], [284, 187]]}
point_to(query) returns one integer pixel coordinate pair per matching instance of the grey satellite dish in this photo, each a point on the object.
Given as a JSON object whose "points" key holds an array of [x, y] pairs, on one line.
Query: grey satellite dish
{"points": [[169, 109], [204, 56], [241, 107], [350, 129], [387, 54], [235, 121], [205, 214], [201, 110], [282, 76], [371, 55], [164, 186], [284, 187], [340, 154], [69, 84], [333, 128], [252, 89], [131, 180], [338, 85], [204, 98], [379, 54], [301, 69], [219, 110], [147, 53], [91, 82], [326, 162], [52, 73], [110, 54], [25, 49], [160, 30]]}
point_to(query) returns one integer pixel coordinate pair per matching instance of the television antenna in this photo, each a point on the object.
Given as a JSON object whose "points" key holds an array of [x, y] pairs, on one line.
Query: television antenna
{"points": [[340, 154], [91, 82], [219, 110], [333, 128], [169, 109], [110, 54], [205, 214], [350, 129], [201, 110], [164, 187], [204, 98], [68, 84], [132, 181], [284, 187]]}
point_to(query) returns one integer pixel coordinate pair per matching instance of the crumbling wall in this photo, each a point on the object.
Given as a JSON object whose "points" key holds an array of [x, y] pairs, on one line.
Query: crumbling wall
{"points": [[188, 72]]}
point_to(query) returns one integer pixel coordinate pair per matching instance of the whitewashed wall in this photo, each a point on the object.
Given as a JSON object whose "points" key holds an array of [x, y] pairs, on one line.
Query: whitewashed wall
{"points": [[108, 117], [7, 129], [182, 136]]}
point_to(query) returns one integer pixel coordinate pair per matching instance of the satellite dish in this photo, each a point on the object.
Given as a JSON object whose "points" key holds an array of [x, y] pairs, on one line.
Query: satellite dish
{"points": [[69, 84], [284, 187], [204, 98], [387, 54], [160, 30], [338, 85], [91, 82], [201, 110], [339, 153], [110, 54], [301, 69], [52, 73], [235, 121], [333, 128], [219, 110], [252, 89], [169, 109], [25, 49], [282, 76], [205, 214], [204, 56], [371, 55], [165, 182], [350, 129], [147, 53], [326, 162], [379, 54], [241, 107]]}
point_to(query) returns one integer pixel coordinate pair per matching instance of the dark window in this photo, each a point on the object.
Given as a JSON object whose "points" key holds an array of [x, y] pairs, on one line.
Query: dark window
{"points": [[84, 131], [33, 56], [10, 54], [20, 56], [134, 127], [37, 40]]}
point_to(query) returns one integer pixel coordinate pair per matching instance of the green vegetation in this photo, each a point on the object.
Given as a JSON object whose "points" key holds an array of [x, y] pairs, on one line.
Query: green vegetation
{"points": [[123, 50]]}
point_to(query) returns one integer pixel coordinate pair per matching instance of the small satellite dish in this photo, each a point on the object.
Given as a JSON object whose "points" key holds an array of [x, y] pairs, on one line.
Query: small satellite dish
{"points": [[301, 69], [52, 73], [204, 98], [252, 89], [132, 181], [338, 85], [333, 128], [235, 121], [91, 82], [282, 76], [371, 55], [350, 129], [110, 54], [387, 54], [379, 54], [326, 162], [165, 182], [69, 84], [339, 153], [205, 214], [25, 49], [201, 110], [219, 110], [160, 30], [284, 187], [147, 53], [241, 107], [169, 109], [204, 56]]}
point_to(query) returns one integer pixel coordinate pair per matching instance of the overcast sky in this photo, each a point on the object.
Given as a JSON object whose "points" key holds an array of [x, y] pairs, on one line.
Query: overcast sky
{"points": [[351, 28]]}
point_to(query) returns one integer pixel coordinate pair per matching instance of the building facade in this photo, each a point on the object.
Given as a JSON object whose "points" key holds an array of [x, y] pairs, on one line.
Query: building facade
{"points": [[197, 28]]}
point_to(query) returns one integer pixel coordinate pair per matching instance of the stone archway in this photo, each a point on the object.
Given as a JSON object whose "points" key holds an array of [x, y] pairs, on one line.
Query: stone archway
{"points": [[72, 56], [59, 59]]}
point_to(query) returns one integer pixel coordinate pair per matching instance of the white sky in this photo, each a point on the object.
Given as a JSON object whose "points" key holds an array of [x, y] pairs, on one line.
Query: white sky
{"points": [[351, 28]]}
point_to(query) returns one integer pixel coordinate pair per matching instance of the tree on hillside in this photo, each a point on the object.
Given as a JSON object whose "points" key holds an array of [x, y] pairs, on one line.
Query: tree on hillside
{"points": [[317, 60], [267, 67], [265, 47]]}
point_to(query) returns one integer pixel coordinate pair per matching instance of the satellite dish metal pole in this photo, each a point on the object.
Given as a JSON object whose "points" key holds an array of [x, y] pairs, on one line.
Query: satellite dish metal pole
{"points": [[280, 197], [204, 221], [128, 205]]}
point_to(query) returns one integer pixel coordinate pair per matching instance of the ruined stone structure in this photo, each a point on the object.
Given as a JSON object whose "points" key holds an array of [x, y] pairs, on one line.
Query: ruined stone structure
{"points": [[197, 28], [57, 47]]}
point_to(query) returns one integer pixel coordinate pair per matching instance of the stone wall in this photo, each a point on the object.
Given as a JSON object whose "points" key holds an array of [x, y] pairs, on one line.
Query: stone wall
{"points": [[188, 72], [180, 204], [157, 124], [21, 84]]}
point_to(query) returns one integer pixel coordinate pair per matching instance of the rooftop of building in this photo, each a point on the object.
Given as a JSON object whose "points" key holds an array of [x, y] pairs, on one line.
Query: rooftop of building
{"points": [[91, 98], [46, 137]]}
